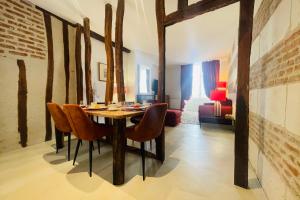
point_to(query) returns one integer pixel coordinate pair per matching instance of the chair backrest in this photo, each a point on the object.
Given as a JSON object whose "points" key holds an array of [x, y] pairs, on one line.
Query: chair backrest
{"points": [[59, 117], [82, 126], [153, 121]]}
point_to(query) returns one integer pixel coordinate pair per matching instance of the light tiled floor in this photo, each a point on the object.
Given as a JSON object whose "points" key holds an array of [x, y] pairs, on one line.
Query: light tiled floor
{"points": [[198, 165]]}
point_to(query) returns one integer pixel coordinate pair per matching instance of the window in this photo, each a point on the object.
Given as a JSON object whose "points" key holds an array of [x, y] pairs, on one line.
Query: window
{"points": [[144, 79], [198, 86]]}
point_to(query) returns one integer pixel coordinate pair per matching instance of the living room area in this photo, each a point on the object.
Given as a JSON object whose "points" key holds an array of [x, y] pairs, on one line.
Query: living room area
{"points": [[175, 99]]}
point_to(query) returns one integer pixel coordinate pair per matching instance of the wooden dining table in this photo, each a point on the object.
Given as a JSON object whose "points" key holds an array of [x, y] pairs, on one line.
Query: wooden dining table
{"points": [[119, 141]]}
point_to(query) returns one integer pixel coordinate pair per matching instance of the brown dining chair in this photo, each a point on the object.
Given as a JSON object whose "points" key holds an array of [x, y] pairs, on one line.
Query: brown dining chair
{"points": [[85, 129], [149, 128], [61, 123]]}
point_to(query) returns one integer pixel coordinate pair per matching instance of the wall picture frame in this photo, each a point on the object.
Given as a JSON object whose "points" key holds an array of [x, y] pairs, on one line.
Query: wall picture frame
{"points": [[102, 71]]}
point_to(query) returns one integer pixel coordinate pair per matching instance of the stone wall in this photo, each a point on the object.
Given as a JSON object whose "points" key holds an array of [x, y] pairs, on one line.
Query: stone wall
{"points": [[274, 128]]}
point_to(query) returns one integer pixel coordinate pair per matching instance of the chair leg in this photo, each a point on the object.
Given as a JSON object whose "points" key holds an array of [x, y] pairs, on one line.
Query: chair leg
{"points": [[76, 151], [98, 141], [56, 149], [69, 145], [143, 158], [90, 156]]}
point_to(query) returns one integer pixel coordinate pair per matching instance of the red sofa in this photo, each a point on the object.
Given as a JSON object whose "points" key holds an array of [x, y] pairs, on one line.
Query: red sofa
{"points": [[206, 113]]}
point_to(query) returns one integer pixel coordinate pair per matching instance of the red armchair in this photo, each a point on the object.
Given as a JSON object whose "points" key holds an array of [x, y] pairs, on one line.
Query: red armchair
{"points": [[206, 113]]}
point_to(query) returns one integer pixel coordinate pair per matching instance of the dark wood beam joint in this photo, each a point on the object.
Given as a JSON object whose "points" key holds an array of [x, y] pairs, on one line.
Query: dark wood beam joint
{"points": [[196, 9], [182, 4]]}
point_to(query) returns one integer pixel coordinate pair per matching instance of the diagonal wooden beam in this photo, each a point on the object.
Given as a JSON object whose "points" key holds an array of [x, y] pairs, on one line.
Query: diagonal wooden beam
{"points": [[196, 9], [182, 4]]}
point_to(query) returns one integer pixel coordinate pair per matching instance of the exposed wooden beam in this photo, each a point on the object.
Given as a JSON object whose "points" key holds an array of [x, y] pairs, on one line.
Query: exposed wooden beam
{"points": [[196, 9], [182, 4], [87, 60], [242, 102], [109, 55], [22, 103], [161, 31], [50, 74], [66, 59], [79, 73], [93, 34], [118, 51]]}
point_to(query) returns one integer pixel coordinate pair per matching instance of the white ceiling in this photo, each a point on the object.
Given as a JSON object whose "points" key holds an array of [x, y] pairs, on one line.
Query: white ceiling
{"points": [[205, 37]]}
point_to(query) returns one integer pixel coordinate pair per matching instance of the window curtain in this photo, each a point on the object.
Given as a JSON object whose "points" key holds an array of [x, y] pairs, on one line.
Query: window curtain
{"points": [[186, 82], [210, 71]]}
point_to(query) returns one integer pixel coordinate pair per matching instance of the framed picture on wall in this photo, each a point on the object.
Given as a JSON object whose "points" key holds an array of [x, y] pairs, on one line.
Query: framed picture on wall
{"points": [[102, 71]]}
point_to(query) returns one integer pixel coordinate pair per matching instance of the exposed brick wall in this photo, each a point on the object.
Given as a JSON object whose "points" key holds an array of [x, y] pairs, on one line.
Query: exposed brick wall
{"points": [[22, 31], [265, 11], [279, 66], [279, 146]]}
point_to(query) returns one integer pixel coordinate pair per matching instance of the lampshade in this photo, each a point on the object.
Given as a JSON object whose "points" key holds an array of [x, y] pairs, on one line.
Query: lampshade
{"points": [[218, 95], [221, 84]]}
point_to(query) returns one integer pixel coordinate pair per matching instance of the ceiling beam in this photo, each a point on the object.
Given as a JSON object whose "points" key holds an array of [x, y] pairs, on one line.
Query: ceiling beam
{"points": [[94, 35], [196, 9]]}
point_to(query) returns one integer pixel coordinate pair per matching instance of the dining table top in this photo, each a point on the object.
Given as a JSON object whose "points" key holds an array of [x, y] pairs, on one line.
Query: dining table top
{"points": [[114, 114]]}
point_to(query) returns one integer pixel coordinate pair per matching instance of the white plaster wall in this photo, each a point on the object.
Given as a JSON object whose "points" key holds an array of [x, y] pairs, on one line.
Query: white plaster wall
{"points": [[173, 88], [293, 108], [59, 78], [135, 59], [279, 104], [130, 62], [9, 136], [36, 72]]}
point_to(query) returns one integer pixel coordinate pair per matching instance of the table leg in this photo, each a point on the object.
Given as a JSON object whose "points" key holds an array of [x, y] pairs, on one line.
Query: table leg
{"points": [[119, 151], [160, 146]]}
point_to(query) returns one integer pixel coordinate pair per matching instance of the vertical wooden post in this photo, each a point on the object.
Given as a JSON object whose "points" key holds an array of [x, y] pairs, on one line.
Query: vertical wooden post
{"points": [[88, 53], [50, 72], [109, 55], [22, 103], [118, 143], [79, 78], [242, 104], [161, 30], [66, 58], [118, 51]]}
